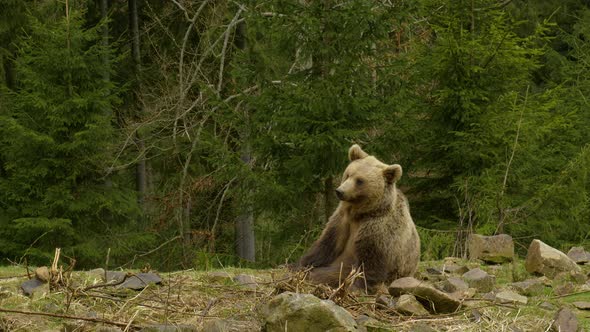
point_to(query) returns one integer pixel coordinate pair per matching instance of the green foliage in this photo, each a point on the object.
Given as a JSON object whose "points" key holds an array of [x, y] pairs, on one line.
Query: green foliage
{"points": [[56, 139], [251, 107]]}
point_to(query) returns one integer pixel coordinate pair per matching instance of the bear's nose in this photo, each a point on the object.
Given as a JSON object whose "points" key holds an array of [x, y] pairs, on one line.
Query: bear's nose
{"points": [[339, 194]]}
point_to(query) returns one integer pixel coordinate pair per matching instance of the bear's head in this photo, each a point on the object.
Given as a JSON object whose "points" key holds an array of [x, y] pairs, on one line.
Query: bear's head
{"points": [[367, 181]]}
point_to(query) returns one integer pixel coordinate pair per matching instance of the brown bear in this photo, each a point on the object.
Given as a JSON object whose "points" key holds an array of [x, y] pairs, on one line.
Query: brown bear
{"points": [[371, 229]]}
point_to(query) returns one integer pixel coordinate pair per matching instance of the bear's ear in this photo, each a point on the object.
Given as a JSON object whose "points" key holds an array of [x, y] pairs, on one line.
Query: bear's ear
{"points": [[355, 152], [392, 173]]}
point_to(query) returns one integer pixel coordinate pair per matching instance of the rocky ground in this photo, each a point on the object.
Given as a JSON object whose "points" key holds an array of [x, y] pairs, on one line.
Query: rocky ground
{"points": [[447, 295]]}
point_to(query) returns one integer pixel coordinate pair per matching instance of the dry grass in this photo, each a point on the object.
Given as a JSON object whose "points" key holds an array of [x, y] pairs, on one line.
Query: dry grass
{"points": [[198, 297]]}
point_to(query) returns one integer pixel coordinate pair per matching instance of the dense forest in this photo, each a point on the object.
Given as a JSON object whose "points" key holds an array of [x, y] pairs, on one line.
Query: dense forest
{"points": [[204, 133]]}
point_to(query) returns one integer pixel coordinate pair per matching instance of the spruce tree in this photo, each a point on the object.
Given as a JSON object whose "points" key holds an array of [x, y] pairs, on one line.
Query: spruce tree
{"points": [[56, 141]]}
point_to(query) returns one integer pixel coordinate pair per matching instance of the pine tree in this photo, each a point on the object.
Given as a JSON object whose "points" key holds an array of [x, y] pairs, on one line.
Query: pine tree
{"points": [[56, 139]]}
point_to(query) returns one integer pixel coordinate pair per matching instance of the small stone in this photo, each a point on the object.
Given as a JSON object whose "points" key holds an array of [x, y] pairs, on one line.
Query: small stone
{"points": [[385, 300], [30, 286], [454, 284], [582, 305], [42, 273], [115, 276], [408, 305], [246, 280], [565, 321], [437, 301], [530, 287], [564, 289], [479, 279], [491, 249], [511, 297], [218, 276], [544, 259], [579, 255], [475, 316]]}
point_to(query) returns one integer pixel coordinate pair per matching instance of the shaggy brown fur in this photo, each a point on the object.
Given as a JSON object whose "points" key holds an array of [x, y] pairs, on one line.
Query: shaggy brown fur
{"points": [[371, 229]]}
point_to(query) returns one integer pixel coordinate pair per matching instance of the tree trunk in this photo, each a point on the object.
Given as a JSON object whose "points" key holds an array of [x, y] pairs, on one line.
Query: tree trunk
{"points": [[141, 169], [245, 237]]}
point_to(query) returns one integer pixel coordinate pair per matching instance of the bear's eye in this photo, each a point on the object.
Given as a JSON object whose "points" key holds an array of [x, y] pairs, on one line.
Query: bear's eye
{"points": [[359, 182]]}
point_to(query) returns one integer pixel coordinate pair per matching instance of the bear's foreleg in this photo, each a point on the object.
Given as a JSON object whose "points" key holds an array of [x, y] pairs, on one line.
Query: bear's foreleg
{"points": [[327, 248]]}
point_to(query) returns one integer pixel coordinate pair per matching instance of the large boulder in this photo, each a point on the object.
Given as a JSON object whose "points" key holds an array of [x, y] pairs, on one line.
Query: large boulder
{"points": [[491, 249], [304, 312], [544, 259], [433, 299], [480, 280]]}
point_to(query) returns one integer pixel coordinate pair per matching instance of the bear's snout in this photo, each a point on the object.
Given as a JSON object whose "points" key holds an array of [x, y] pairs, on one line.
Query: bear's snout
{"points": [[340, 194]]}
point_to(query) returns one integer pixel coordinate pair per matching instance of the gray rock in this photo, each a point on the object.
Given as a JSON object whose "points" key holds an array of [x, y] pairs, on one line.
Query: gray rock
{"points": [[565, 321], [530, 287], [582, 305], [433, 299], [305, 312], [408, 305], [544, 259], [479, 279], [454, 284], [30, 286], [579, 255], [246, 280], [385, 300], [170, 328], [492, 249], [475, 316], [547, 306], [114, 276], [141, 280], [511, 297]]}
